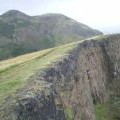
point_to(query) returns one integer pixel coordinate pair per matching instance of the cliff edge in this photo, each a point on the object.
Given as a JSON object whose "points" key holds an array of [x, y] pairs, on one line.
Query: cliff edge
{"points": [[74, 88]]}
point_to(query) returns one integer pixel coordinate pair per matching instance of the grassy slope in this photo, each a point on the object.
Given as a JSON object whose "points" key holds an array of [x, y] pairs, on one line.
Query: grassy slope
{"points": [[15, 72]]}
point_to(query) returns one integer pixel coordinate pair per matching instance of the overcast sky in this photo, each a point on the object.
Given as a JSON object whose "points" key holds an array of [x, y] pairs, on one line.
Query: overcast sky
{"points": [[95, 13]]}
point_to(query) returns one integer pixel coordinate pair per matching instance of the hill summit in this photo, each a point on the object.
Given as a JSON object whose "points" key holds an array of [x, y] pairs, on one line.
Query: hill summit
{"points": [[21, 33]]}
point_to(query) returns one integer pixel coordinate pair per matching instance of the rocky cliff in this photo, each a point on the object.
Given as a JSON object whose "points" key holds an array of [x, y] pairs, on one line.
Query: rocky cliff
{"points": [[89, 75]]}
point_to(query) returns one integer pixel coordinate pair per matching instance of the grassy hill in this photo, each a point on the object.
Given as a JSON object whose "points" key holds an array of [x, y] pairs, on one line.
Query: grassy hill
{"points": [[15, 72], [20, 33]]}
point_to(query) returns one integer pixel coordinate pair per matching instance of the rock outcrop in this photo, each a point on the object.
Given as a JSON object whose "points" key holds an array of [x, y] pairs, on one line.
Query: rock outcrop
{"points": [[69, 89]]}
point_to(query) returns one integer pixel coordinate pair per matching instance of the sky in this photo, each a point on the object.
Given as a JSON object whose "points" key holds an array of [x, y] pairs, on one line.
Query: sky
{"points": [[99, 14]]}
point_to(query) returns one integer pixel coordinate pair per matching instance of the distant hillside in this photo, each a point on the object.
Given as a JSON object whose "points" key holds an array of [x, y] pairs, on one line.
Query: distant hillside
{"points": [[20, 33]]}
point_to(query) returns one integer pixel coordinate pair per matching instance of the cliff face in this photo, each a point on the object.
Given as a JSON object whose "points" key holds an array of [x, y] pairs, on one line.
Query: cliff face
{"points": [[69, 90]]}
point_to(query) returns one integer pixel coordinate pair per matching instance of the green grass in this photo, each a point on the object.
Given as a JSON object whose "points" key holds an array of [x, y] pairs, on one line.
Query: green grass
{"points": [[101, 111], [69, 114], [15, 72], [114, 111], [109, 110], [6, 30]]}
